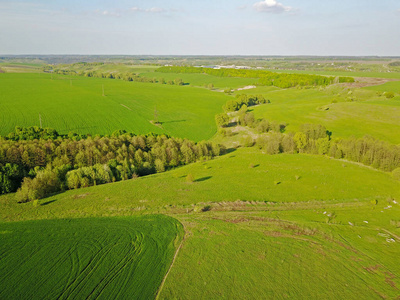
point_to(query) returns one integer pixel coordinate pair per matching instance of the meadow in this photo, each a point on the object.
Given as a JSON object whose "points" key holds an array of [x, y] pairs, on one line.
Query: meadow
{"points": [[100, 258], [293, 253], [243, 175], [255, 225], [244, 225], [344, 112], [76, 104]]}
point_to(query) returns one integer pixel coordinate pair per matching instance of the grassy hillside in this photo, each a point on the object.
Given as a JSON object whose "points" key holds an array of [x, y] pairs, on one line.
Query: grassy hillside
{"points": [[122, 258], [327, 229], [244, 175], [368, 113], [78, 105], [288, 254]]}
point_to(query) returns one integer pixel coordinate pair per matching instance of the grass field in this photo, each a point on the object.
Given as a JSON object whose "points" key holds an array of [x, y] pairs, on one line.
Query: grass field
{"points": [[227, 179], [297, 226], [78, 105], [250, 226], [124, 258], [369, 114], [390, 75], [204, 79], [288, 254]]}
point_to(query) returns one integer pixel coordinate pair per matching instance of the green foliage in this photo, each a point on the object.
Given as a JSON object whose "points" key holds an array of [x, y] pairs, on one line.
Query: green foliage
{"points": [[95, 161], [32, 133], [314, 131], [189, 178], [11, 176], [247, 141], [45, 183], [389, 95], [244, 100], [222, 120], [300, 138]]}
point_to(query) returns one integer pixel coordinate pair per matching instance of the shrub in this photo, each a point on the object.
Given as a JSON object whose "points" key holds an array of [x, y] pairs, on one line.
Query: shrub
{"points": [[189, 178], [206, 208], [247, 141], [389, 95]]}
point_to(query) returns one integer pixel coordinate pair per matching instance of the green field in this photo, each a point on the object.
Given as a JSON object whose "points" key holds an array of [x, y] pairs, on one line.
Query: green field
{"points": [[249, 226], [204, 79], [288, 254], [278, 226], [390, 75], [229, 178], [78, 105], [124, 258], [369, 114]]}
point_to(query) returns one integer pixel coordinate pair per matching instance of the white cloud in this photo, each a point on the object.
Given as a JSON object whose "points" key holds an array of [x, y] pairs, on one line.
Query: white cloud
{"points": [[271, 6], [107, 13], [149, 10]]}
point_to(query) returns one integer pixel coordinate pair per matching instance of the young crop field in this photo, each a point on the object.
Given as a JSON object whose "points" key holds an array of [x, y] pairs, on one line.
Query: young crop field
{"points": [[77, 104], [124, 258]]}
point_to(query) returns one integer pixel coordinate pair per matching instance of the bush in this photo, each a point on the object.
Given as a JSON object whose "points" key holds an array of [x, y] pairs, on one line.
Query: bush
{"points": [[206, 208], [44, 184], [389, 95], [222, 120], [189, 178], [247, 141]]}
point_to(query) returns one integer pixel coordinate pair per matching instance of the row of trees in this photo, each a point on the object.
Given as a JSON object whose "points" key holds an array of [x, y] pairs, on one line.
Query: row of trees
{"points": [[282, 80], [127, 76], [73, 163]]}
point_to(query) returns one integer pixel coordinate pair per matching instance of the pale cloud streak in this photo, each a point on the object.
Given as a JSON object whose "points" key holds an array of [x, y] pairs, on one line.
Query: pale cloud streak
{"points": [[148, 10], [271, 6]]}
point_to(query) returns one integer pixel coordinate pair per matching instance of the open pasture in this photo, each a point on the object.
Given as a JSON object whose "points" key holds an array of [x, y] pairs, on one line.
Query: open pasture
{"points": [[368, 114], [243, 175], [77, 104], [293, 253], [202, 80], [124, 258]]}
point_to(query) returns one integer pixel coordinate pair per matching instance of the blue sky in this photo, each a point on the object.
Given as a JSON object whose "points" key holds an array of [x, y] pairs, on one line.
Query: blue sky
{"points": [[206, 27]]}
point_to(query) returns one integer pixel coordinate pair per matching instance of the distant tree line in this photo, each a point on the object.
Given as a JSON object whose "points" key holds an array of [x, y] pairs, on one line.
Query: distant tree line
{"points": [[266, 78], [127, 76], [58, 162]]}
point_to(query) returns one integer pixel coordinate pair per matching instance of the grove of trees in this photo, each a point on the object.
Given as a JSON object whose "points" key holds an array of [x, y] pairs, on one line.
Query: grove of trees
{"points": [[43, 164]]}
